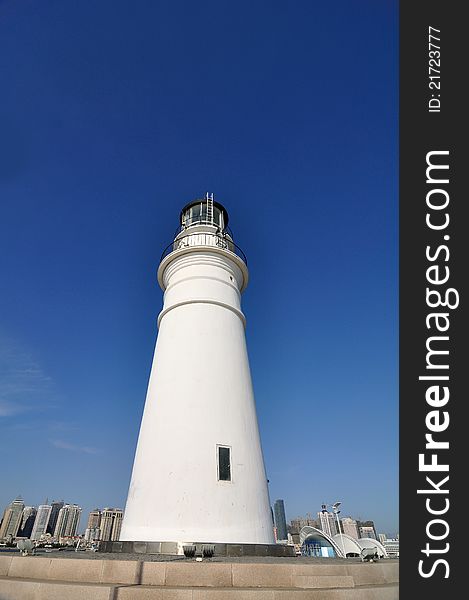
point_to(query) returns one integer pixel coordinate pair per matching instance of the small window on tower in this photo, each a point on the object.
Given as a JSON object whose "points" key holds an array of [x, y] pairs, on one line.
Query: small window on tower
{"points": [[224, 463]]}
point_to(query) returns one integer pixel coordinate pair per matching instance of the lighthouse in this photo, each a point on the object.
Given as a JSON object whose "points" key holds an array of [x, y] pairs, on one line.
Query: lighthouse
{"points": [[198, 473]]}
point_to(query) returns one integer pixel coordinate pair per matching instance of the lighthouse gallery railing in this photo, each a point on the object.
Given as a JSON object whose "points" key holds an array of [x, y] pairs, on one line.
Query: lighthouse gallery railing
{"points": [[204, 240]]}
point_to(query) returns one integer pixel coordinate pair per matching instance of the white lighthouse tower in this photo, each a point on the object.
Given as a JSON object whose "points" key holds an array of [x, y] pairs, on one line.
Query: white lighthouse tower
{"points": [[199, 473]]}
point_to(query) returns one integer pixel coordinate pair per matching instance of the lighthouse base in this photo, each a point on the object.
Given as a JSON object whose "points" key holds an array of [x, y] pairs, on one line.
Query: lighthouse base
{"points": [[177, 548]]}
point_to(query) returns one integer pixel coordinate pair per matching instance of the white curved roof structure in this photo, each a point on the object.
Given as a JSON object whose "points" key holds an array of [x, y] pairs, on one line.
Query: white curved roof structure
{"points": [[347, 543], [371, 543], [311, 532]]}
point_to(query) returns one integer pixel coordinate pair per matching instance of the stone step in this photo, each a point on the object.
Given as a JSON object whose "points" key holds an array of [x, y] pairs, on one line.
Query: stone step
{"points": [[12, 588], [34, 589], [151, 593], [201, 574]]}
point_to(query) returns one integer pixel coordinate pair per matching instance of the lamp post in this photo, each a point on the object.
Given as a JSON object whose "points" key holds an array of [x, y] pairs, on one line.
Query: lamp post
{"points": [[336, 511]]}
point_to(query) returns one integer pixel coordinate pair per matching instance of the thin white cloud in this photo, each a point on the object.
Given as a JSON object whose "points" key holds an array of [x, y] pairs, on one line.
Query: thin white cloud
{"points": [[24, 386], [44, 425], [9, 408], [73, 447]]}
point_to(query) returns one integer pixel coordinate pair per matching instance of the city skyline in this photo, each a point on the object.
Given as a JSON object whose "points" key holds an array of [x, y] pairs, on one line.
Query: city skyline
{"points": [[130, 121], [107, 521]]}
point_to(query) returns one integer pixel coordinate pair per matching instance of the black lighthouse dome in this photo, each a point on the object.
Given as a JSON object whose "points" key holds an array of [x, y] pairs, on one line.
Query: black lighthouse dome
{"points": [[205, 211]]}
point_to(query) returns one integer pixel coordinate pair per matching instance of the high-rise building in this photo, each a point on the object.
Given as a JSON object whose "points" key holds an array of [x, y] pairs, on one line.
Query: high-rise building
{"points": [[382, 538], [111, 523], [54, 515], [200, 386], [349, 527], [41, 521], [11, 519], [367, 532], [280, 520], [327, 522], [300, 522], [27, 521], [367, 529], [67, 521], [94, 519], [92, 534]]}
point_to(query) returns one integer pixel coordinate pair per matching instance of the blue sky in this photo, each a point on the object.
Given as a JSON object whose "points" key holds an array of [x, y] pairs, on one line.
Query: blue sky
{"points": [[113, 116]]}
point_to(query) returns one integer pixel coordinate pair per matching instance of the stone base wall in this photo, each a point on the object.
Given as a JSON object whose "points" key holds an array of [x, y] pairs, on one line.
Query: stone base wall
{"points": [[173, 548], [98, 578]]}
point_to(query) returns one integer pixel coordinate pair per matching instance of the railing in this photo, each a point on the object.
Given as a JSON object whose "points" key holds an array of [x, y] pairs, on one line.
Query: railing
{"points": [[204, 239], [227, 229]]}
